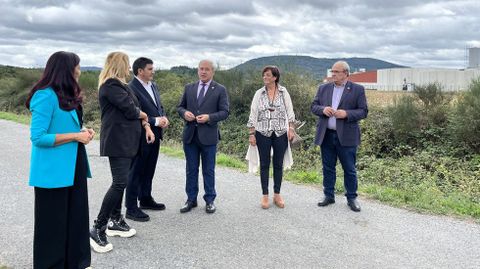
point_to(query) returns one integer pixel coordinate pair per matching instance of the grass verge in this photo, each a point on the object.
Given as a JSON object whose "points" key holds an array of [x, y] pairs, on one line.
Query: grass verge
{"points": [[174, 149], [20, 118]]}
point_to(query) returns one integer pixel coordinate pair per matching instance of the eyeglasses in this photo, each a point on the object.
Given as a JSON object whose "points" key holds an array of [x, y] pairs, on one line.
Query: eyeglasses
{"points": [[337, 71]]}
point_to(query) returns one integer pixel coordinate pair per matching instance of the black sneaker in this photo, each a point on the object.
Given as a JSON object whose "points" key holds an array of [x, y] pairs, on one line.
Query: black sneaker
{"points": [[98, 240], [118, 227]]}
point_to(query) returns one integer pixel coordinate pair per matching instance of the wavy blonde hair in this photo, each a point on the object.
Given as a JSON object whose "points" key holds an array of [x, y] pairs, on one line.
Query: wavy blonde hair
{"points": [[117, 66]]}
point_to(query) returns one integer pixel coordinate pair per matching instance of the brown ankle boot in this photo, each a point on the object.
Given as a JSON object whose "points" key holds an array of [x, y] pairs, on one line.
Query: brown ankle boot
{"points": [[265, 204], [278, 200]]}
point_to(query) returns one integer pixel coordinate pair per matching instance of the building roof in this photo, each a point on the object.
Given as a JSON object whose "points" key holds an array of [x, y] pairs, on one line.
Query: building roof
{"points": [[361, 77], [365, 77]]}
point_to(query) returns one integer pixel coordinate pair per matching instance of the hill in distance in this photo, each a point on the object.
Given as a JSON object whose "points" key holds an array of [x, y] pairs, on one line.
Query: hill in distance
{"points": [[317, 67], [90, 68]]}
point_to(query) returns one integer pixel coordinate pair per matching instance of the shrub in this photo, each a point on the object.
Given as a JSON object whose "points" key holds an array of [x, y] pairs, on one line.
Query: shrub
{"points": [[377, 134], [464, 127], [430, 94], [405, 118]]}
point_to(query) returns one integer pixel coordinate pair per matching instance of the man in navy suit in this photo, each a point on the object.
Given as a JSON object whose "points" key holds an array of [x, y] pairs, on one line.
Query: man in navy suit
{"points": [[139, 185], [339, 105], [203, 105]]}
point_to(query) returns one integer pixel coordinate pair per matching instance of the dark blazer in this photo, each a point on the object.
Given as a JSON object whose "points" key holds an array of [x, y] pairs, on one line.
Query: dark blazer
{"points": [[121, 128], [215, 104], [148, 106], [353, 101]]}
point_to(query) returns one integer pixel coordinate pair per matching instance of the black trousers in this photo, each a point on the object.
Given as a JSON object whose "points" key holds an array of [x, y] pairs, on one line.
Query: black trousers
{"points": [[279, 145], [140, 179], [61, 236], [112, 202]]}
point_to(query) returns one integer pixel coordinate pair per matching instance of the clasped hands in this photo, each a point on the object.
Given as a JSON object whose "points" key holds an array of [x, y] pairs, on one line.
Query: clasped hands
{"points": [[85, 135], [203, 118], [162, 122], [330, 112]]}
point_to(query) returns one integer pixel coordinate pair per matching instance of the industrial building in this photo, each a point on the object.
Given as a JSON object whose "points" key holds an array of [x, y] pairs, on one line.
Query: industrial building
{"points": [[397, 79]]}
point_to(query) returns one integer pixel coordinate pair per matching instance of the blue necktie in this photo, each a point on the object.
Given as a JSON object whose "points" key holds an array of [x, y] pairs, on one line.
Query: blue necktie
{"points": [[201, 94]]}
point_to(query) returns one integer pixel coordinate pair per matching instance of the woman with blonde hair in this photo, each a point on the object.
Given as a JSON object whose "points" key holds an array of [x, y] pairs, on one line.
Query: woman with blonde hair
{"points": [[120, 133]]}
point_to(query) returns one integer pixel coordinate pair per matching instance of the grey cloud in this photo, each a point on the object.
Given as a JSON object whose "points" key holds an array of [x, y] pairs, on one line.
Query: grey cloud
{"points": [[407, 32]]}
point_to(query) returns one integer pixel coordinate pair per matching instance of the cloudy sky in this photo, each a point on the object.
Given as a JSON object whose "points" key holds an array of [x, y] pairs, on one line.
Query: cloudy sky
{"points": [[181, 32]]}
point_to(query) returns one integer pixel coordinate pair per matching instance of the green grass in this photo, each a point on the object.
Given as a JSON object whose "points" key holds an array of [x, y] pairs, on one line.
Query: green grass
{"points": [[231, 162], [425, 200], [173, 149], [20, 118]]}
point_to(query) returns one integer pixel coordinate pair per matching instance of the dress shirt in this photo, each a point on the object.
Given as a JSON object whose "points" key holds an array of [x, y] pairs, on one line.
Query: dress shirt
{"points": [[149, 89], [200, 86], [336, 96]]}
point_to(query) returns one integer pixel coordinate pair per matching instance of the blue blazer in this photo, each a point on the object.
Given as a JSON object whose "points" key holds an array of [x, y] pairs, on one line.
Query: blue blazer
{"points": [[353, 101], [215, 104], [52, 166]]}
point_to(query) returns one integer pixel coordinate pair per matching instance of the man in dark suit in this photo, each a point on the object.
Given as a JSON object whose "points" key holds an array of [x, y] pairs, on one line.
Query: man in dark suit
{"points": [[203, 104], [339, 105], [139, 185]]}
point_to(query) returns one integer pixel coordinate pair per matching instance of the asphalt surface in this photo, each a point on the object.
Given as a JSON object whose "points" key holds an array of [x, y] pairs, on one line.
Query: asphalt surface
{"points": [[240, 234]]}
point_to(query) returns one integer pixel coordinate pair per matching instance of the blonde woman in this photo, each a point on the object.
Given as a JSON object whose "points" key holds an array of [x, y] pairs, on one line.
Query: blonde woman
{"points": [[271, 126], [122, 121]]}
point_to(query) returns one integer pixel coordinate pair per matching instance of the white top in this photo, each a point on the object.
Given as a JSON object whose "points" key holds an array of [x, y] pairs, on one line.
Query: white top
{"points": [[267, 116]]}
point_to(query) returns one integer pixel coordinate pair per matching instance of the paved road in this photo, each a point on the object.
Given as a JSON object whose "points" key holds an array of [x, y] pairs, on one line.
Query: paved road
{"points": [[240, 234]]}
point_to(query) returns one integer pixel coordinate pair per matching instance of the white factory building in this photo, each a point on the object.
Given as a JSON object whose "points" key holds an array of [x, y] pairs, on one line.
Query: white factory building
{"points": [[397, 79]]}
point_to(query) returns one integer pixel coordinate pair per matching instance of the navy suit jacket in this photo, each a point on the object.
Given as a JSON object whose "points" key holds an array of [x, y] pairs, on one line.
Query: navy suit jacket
{"points": [[353, 101], [148, 106], [215, 104]]}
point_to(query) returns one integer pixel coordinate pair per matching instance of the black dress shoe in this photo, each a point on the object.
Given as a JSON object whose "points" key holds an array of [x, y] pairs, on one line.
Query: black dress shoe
{"points": [[188, 206], [210, 208], [326, 201], [137, 215], [151, 204], [354, 205]]}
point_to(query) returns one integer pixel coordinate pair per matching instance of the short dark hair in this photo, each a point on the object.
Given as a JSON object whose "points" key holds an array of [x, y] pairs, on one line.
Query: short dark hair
{"points": [[274, 70], [140, 63], [59, 75]]}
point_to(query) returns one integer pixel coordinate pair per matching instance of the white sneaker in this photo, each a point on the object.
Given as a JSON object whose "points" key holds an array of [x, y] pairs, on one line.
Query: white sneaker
{"points": [[119, 228]]}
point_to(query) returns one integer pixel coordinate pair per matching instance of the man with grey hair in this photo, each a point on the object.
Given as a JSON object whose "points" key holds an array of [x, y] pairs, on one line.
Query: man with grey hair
{"points": [[204, 103], [339, 105]]}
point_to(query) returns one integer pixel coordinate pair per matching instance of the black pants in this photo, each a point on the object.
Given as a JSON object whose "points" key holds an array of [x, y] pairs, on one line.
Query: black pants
{"points": [[61, 236], [140, 178], [112, 202], [279, 145]]}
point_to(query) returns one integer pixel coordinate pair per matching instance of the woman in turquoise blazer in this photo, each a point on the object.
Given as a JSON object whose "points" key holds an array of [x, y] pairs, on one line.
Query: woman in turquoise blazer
{"points": [[59, 166]]}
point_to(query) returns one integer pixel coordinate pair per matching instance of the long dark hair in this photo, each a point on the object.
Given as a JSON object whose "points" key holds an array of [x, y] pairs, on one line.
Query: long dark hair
{"points": [[59, 75]]}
